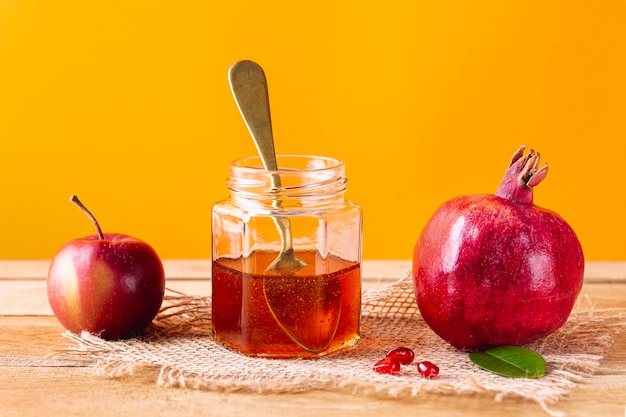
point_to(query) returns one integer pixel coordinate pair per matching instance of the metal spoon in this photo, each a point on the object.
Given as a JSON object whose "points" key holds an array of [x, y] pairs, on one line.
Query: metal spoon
{"points": [[249, 88]]}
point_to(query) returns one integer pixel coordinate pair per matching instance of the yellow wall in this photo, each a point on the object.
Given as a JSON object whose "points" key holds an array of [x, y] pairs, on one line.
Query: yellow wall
{"points": [[127, 104]]}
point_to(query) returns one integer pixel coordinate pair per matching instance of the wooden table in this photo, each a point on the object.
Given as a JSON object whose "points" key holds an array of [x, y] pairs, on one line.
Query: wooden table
{"points": [[30, 385]]}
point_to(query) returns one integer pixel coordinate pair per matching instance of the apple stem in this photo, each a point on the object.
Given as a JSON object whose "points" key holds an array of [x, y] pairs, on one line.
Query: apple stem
{"points": [[74, 199]]}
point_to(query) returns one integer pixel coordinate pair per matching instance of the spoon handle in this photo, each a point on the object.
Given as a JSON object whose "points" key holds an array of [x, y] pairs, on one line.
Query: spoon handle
{"points": [[249, 87]]}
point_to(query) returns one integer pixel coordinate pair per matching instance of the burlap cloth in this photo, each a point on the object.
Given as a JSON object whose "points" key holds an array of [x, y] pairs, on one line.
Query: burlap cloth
{"points": [[180, 352]]}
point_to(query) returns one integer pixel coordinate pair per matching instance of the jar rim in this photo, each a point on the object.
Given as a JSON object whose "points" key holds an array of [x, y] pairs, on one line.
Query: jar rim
{"points": [[254, 164]]}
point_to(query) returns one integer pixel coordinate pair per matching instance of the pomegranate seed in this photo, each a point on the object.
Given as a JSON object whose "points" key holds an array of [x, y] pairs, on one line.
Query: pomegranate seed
{"points": [[427, 369], [402, 354], [387, 366]]}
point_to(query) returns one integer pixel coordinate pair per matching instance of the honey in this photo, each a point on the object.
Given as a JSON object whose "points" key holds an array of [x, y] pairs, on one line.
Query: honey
{"points": [[259, 313]]}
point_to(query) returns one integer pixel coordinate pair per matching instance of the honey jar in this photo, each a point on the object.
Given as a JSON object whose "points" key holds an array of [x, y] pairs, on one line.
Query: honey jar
{"points": [[286, 261]]}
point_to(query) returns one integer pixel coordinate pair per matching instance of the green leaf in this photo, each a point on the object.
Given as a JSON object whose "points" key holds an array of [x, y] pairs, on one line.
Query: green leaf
{"points": [[512, 361]]}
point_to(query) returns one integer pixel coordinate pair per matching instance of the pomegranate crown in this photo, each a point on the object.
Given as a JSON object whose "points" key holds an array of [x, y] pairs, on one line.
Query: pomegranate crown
{"points": [[521, 176]]}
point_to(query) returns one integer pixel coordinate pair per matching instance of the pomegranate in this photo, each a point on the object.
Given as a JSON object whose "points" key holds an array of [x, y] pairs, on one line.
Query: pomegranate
{"points": [[387, 366], [402, 354], [427, 369], [492, 270]]}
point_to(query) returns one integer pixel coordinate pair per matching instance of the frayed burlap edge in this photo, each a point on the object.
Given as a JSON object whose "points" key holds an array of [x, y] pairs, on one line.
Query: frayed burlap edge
{"points": [[178, 351]]}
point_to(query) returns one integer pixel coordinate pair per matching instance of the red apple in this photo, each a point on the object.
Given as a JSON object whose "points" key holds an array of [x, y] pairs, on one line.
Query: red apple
{"points": [[111, 285]]}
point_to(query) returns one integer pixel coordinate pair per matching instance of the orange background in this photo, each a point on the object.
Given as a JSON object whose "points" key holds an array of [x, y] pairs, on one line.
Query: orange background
{"points": [[127, 104]]}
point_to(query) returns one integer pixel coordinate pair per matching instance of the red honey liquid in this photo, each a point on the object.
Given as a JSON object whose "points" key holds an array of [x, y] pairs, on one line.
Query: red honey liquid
{"points": [[310, 314]]}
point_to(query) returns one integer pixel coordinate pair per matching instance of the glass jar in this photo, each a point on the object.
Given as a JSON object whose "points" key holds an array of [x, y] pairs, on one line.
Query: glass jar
{"points": [[308, 310]]}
